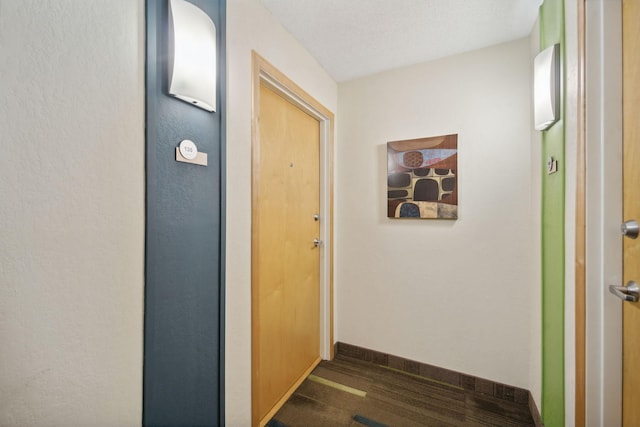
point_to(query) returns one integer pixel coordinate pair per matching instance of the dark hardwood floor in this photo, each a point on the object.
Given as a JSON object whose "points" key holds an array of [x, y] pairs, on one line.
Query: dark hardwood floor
{"points": [[350, 392]]}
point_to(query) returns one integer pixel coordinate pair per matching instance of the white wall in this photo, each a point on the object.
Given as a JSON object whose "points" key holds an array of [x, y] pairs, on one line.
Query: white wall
{"points": [[72, 210], [537, 166], [457, 294], [251, 27]]}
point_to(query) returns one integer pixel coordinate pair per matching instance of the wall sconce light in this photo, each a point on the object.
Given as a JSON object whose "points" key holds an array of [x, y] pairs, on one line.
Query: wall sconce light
{"points": [[546, 87], [192, 55]]}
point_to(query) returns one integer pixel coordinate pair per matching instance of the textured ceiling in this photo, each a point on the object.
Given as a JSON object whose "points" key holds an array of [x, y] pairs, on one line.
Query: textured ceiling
{"points": [[355, 38]]}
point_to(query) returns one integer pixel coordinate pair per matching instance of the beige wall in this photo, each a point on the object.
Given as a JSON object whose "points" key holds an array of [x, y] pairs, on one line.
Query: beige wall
{"points": [[251, 27], [72, 212], [458, 294]]}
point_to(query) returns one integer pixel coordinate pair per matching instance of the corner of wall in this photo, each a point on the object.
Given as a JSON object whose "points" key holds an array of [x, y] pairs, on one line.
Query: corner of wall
{"points": [[536, 201]]}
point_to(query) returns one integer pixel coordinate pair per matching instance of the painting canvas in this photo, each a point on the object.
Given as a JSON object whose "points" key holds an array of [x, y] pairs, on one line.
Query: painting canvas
{"points": [[422, 178]]}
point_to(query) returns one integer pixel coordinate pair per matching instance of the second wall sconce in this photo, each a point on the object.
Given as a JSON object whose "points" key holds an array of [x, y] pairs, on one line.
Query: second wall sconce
{"points": [[192, 55], [546, 87]]}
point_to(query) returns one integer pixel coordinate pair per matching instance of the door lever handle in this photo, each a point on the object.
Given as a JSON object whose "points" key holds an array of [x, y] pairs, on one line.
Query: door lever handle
{"points": [[630, 229], [630, 292]]}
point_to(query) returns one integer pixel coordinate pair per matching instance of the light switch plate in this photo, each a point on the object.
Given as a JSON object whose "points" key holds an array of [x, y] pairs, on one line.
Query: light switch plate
{"points": [[552, 165]]}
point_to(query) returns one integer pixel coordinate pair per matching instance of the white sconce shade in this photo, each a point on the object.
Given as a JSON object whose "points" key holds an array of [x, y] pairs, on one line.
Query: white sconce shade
{"points": [[192, 56], [546, 87]]}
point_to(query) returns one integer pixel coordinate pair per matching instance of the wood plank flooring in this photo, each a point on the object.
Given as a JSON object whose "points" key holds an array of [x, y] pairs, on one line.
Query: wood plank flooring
{"points": [[393, 398]]}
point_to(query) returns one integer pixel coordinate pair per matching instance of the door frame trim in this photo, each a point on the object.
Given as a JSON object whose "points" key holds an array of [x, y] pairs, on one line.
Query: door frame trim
{"points": [[580, 243], [265, 72], [603, 207]]}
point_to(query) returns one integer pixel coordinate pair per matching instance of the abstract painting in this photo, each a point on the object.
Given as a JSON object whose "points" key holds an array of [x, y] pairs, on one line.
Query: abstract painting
{"points": [[422, 178]]}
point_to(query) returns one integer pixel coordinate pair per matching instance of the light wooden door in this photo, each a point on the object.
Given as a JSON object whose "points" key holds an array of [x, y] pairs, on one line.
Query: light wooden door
{"points": [[286, 261], [631, 150]]}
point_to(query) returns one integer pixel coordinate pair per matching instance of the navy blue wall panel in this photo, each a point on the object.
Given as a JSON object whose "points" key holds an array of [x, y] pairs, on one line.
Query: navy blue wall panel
{"points": [[184, 298]]}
